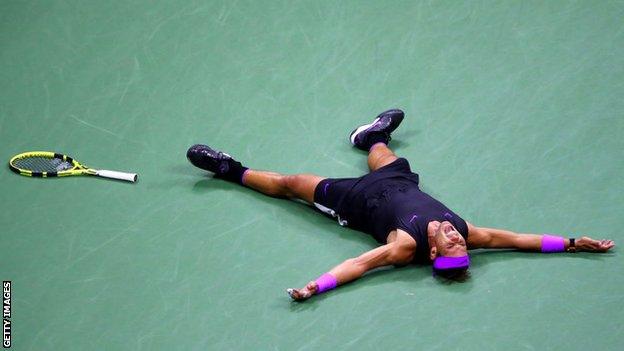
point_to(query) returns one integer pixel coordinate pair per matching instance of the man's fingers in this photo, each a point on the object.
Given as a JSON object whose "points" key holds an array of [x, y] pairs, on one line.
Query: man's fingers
{"points": [[601, 245], [293, 293], [589, 244], [298, 294], [607, 244]]}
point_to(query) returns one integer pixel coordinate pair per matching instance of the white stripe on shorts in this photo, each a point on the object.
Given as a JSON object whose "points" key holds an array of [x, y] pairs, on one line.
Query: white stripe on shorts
{"points": [[332, 213]]}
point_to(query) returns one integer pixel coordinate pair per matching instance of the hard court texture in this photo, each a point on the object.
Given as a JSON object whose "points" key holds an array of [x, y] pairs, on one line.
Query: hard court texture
{"points": [[513, 119]]}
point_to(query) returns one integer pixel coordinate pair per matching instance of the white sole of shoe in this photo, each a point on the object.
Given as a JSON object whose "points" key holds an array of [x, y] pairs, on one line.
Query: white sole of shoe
{"points": [[361, 129]]}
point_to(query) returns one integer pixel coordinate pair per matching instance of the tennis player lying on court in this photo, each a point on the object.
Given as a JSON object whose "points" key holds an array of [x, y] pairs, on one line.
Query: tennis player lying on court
{"points": [[386, 203]]}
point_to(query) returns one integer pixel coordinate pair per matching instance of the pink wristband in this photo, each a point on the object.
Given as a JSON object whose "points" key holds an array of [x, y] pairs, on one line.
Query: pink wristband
{"points": [[326, 282], [551, 243]]}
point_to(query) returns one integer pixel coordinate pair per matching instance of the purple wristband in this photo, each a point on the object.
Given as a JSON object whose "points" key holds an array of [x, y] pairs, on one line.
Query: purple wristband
{"points": [[326, 282], [551, 243]]}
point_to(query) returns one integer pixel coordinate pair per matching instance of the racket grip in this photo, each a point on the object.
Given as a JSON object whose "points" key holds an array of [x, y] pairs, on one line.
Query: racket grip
{"points": [[129, 177]]}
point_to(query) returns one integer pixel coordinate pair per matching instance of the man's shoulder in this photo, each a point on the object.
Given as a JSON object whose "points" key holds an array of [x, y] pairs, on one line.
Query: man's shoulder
{"points": [[405, 240]]}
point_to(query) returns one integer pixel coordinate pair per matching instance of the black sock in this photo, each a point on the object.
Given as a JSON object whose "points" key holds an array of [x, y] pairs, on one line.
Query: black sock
{"points": [[378, 137], [234, 172]]}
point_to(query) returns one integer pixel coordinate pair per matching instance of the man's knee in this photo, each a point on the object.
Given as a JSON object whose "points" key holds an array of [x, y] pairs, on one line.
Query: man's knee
{"points": [[299, 185], [289, 184], [387, 159], [381, 160]]}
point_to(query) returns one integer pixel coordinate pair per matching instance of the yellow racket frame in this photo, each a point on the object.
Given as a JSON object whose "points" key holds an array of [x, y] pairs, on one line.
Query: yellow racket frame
{"points": [[77, 169]]}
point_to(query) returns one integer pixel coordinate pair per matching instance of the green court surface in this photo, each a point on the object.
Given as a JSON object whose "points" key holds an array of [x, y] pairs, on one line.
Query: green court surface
{"points": [[514, 118]]}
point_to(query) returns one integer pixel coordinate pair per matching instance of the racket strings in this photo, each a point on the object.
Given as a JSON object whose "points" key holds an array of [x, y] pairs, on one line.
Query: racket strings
{"points": [[43, 164]]}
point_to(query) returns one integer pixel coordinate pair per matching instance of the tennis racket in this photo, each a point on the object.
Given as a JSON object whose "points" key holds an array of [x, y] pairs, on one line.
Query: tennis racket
{"points": [[49, 164]]}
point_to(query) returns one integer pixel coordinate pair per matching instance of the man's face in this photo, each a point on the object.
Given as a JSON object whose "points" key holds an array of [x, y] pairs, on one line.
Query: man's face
{"points": [[448, 241]]}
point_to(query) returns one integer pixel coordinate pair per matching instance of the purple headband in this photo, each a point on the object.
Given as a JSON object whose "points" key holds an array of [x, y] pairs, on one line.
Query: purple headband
{"points": [[444, 262]]}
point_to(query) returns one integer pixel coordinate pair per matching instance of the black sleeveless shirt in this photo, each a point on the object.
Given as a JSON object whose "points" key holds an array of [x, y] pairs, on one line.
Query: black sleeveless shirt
{"points": [[388, 199]]}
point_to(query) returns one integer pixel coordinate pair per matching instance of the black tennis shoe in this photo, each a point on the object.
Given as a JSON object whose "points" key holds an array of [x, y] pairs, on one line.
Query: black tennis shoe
{"points": [[204, 157], [364, 136]]}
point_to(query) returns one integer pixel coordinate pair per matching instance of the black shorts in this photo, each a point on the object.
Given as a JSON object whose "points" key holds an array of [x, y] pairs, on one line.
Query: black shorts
{"points": [[330, 194]]}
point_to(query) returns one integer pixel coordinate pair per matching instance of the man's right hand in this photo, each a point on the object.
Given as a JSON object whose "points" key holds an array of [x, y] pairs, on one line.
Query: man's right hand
{"points": [[588, 244]]}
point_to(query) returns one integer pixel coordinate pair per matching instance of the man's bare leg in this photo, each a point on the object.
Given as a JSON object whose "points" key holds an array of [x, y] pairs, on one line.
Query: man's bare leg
{"points": [[380, 155], [302, 186], [299, 186]]}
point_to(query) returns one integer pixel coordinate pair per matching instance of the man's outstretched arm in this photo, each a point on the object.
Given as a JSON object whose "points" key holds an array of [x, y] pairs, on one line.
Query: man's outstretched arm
{"points": [[480, 237], [394, 253]]}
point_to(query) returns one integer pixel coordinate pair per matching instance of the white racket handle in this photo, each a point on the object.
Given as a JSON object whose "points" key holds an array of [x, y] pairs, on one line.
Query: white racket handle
{"points": [[129, 177]]}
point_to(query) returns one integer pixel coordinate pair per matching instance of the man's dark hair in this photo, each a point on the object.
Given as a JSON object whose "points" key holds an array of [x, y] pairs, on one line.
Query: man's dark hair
{"points": [[458, 275]]}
